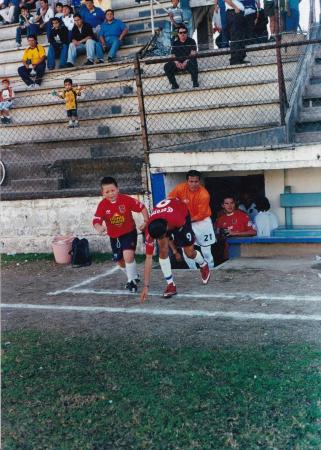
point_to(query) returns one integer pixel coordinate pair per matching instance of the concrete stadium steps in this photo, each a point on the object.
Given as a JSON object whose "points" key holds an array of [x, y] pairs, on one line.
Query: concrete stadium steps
{"points": [[9, 69], [128, 9], [113, 99], [124, 124], [308, 126]]}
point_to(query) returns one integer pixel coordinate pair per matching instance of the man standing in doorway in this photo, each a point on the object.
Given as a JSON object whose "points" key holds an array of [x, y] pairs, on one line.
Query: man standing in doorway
{"points": [[197, 200]]}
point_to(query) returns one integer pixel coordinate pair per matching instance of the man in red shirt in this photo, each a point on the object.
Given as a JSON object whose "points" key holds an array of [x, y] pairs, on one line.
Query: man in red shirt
{"points": [[170, 217], [234, 222], [114, 218]]}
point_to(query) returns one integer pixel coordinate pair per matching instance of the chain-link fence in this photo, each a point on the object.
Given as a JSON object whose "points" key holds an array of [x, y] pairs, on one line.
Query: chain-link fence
{"points": [[46, 155], [131, 109], [208, 97]]}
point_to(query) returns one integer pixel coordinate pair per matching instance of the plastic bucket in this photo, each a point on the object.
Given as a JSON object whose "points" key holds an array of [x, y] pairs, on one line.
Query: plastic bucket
{"points": [[61, 246]]}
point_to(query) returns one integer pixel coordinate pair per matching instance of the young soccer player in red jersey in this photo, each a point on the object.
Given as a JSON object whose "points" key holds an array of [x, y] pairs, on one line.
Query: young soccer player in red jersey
{"points": [[114, 218], [170, 217], [234, 222]]}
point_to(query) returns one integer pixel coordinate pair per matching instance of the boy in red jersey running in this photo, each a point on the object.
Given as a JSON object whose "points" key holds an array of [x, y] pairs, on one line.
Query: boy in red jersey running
{"points": [[114, 218], [170, 217]]}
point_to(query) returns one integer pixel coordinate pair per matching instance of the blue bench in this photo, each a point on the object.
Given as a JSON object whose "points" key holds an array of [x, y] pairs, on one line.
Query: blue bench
{"points": [[290, 200]]}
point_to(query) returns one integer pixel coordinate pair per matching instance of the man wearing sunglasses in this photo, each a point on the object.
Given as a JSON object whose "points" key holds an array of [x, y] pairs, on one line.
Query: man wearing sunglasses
{"points": [[182, 49]]}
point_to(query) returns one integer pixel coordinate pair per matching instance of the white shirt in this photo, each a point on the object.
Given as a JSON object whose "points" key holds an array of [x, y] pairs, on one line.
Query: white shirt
{"points": [[69, 21], [265, 222]]}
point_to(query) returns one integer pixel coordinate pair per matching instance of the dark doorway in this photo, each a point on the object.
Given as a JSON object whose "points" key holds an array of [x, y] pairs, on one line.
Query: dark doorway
{"points": [[220, 186]]}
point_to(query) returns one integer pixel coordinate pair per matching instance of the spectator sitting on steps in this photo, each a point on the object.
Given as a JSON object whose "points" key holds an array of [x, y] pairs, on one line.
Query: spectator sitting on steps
{"points": [[6, 99], [25, 19], [182, 49], [82, 41], [34, 56], [92, 15], [112, 34], [59, 42], [42, 20]]}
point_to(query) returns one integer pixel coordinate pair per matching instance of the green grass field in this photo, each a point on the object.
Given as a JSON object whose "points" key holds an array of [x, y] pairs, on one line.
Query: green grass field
{"points": [[92, 393]]}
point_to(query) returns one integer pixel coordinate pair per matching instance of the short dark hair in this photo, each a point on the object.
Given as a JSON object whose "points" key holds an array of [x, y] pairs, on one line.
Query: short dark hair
{"points": [[157, 228], [78, 15], [68, 6], [57, 19], [24, 7], [32, 36], [108, 180], [181, 25], [59, 4], [193, 173], [262, 204], [68, 80], [229, 195], [111, 10]]}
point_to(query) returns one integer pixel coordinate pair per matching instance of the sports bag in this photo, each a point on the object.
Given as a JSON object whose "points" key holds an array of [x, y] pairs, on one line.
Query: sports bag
{"points": [[80, 253]]}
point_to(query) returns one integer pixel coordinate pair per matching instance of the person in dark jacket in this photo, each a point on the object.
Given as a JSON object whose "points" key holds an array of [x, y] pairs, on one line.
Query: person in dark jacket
{"points": [[182, 49], [82, 41], [59, 43]]}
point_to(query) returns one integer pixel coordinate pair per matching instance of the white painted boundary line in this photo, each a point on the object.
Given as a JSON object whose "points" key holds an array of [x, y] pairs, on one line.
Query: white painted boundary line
{"points": [[167, 312], [239, 296], [83, 283]]}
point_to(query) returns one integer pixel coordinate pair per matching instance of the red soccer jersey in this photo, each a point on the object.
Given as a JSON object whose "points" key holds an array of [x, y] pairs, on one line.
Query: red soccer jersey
{"points": [[173, 211], [237, 222], [118, 215]]}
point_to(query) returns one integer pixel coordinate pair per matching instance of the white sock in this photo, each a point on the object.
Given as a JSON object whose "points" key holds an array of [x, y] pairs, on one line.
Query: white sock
{"points": [[199, 259], [207, 253], [190, 262], [166, 269], [131, 270]]}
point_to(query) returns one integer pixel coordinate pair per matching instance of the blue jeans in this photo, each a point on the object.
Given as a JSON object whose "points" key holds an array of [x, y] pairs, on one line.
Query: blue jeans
{"points": [[25, 74], [35, 29], [57, 51], [21, 32], [89, 48], [113, 44]]}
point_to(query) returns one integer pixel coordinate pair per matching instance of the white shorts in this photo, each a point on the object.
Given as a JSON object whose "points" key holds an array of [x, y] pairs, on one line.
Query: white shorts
{"points": [[204, 232]]}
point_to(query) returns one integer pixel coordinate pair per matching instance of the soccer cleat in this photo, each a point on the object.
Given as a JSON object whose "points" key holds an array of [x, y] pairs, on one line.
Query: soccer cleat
{"points": [[132, 287], [170, 290], [205, 273], [175, 86]]}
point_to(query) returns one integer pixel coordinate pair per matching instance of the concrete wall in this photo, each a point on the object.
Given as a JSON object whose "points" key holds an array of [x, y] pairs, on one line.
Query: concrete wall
{"points": [[29, 225], [301, 180]]}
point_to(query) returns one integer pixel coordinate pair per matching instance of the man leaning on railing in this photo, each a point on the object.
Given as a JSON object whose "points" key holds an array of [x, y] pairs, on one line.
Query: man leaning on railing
{"points": [[182, 49]]}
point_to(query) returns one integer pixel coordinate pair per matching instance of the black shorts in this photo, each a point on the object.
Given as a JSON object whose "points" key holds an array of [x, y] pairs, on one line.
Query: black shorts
{"points": [[72, 113], [126, 241], [184, 236]]}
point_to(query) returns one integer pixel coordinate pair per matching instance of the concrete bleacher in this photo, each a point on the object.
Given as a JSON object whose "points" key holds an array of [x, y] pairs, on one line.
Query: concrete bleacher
{"points": [[229, 100]]}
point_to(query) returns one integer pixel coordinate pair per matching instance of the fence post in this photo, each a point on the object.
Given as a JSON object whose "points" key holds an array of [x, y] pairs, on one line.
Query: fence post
{"points": [[281, 82], [144, 133]]}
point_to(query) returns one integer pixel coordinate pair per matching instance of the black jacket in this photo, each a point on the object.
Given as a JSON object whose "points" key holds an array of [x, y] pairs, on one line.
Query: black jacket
{"points": [[59, 37], [85, 31]]}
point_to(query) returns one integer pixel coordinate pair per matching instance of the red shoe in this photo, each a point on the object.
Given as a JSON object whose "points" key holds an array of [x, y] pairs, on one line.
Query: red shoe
{"points": [[205, 273], [170, 290]]}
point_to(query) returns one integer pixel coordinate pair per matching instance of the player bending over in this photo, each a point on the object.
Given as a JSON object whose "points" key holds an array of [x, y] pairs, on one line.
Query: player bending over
{"points": [[114, 217], [170, 217]]}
